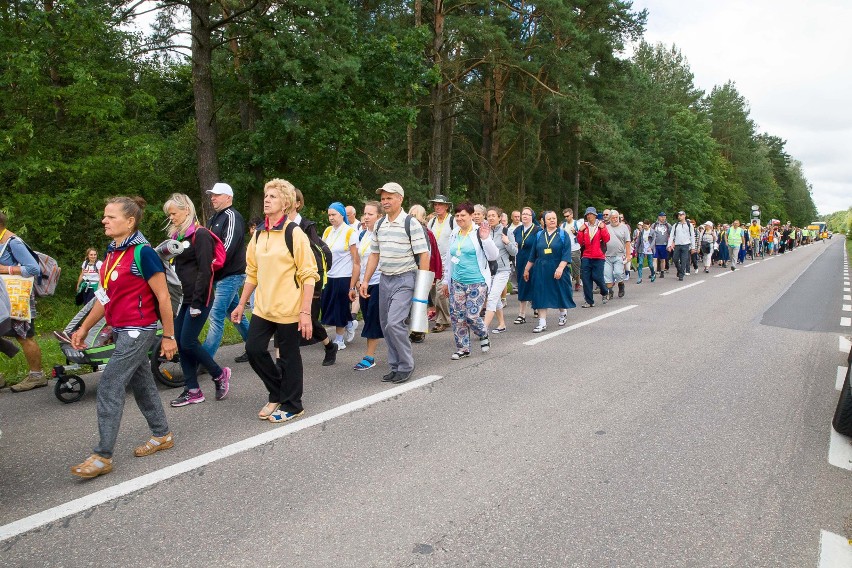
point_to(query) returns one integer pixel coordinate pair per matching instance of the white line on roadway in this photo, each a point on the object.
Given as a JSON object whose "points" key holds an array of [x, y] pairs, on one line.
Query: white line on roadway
{"points": [[752, 264], [847, 297], [844, 344], [839, 450], [547, 336], [834, 551], [132, 485], [841, 377], [847, 289], [769, 258], [723, 274], [846, 322], [676, 290], [847, 307]]}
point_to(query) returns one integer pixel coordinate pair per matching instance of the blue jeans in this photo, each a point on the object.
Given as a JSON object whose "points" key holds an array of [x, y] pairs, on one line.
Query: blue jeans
{"points": [[225, 300], [643, 259], [187, 330]]}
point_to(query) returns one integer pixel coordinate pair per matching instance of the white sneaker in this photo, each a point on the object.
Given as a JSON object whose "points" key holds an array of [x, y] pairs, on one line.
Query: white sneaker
{"points": [[340, 345], [563, 319], [350, 330]]}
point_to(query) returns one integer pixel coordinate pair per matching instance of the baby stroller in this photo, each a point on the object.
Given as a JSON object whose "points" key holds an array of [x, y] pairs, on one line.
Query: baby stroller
{"points": [[99, 343]]}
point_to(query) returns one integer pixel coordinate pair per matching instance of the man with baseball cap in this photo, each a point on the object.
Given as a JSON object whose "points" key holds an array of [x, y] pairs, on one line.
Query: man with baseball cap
{"points": [[441, 225], [398, 239], [229, 226], [681, 243]]}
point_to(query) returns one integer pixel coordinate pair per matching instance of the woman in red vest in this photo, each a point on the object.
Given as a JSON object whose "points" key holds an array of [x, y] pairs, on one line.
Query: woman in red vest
{"points": [[129, 297]]}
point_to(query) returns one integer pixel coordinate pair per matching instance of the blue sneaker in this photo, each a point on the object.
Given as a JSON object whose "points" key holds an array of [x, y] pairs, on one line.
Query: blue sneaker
{"points": [[366, 363], [282, 415]]}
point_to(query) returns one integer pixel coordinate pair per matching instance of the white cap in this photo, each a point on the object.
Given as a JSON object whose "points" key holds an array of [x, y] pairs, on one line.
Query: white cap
{"points": [[221, 189], [391, 187]]}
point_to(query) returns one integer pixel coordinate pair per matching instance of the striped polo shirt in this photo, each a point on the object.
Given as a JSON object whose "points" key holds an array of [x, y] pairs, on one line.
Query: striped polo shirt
{"points": [[396, 253]]}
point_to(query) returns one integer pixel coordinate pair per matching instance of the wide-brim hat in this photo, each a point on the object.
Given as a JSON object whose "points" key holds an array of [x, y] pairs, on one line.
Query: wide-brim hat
{"points": [[441, 199], [590, 210]]}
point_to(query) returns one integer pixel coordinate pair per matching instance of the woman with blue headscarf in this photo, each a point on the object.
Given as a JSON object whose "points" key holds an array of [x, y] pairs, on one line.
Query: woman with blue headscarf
{"points": [[525, 236], [339, 291]]}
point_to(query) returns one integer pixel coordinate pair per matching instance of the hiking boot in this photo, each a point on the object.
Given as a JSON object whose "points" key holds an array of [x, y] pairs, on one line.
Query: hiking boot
{"points": [[330, 354], [154, 444], [33, 381], [223, 384], [620, 290], [610, 295]]}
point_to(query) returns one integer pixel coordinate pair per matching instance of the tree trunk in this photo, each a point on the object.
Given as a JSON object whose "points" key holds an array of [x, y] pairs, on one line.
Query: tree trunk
{"points": [[577, 172], [436, 154], [53, 71], [202, 88]]}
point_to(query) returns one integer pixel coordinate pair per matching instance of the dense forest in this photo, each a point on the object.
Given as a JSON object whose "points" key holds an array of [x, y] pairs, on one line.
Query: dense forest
{"points": [[549, 104]]}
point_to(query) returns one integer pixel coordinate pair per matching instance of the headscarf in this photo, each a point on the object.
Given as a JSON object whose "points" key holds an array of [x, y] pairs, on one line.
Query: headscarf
{"points": [[338, 206]]}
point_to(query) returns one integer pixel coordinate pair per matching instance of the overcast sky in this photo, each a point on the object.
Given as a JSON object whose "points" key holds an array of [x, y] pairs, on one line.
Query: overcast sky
{"points": [[790, 59]]}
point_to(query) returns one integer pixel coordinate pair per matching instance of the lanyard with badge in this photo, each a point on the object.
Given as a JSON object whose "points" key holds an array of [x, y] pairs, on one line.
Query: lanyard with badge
{"points": [[110, 275], [547, 243], [525, 235], [441, 226], [459, 241]]}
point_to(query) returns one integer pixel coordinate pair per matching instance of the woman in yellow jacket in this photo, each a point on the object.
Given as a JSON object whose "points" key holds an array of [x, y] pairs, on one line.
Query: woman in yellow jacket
{"points": [[282, 271]]}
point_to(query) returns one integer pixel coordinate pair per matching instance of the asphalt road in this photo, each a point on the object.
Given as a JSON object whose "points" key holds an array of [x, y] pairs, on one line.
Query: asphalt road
{"points": [[688, 430]]}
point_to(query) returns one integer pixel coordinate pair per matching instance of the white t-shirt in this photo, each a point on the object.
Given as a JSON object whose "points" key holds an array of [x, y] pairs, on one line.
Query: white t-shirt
{"points": [[91, 273], [578, 225], [443, 233], [341, 259], [364, 252]]}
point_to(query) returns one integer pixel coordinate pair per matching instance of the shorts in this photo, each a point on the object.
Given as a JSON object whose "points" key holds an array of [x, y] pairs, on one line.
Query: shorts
{"points": [[21, 329], [660, 251]]}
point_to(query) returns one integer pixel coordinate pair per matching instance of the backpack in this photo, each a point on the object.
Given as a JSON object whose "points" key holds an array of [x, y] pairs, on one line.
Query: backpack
{"points": [[435, 220], [288, 242], [322, 253], [48, 272], [172, 281], [219, 253]]}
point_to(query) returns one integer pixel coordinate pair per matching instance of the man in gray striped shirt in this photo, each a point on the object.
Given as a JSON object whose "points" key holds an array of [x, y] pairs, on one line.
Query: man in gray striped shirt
{"points": [[399, 238]]}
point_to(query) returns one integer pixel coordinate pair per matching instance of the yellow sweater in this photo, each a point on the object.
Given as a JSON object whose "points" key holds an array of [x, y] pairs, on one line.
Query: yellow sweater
{"points": [[275, 271]]}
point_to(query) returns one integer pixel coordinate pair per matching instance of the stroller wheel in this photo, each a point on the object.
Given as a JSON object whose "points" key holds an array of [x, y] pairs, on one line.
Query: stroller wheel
{"points": [[69, 388], [166, 372]]}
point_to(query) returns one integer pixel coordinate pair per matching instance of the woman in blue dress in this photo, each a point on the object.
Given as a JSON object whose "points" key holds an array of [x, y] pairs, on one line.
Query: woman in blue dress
{"points": [[525, 239], [547, 267]]}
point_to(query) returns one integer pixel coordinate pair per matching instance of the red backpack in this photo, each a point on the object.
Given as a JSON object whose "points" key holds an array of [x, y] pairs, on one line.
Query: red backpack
{"points": [[219, 253]]}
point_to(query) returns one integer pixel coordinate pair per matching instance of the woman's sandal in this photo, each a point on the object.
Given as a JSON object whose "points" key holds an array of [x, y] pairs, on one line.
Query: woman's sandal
{"points": [[154, 444], [519, 320], [268, 409], [94, 466]]}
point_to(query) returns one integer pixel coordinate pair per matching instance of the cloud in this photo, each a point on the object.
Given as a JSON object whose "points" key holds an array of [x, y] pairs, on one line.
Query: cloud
{"points": [[790, 60]]}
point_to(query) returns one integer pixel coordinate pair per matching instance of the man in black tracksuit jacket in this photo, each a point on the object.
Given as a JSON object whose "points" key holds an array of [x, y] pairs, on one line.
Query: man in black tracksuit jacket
{"points": [[229, 226]]}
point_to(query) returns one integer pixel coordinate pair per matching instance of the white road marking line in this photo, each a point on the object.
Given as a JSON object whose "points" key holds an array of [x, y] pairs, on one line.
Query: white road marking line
{"points": [[847, 297], [841, 377], [844, 344], [839, 450], [847, 307], [769, 258], [847, 289], [747, 265], [547, 336], [676, 290], [834, 551], [133, 485], [723, 274], [846, 322]]}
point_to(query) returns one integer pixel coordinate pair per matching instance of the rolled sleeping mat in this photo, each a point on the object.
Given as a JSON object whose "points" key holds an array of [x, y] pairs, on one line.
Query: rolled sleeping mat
{"points": [[418, 319], [168, 249]]}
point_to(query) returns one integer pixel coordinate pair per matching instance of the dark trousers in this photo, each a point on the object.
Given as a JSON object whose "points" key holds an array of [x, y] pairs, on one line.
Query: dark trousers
{"points": [[592, 271], [192, 353], [681, 259], [320, 334], [284, 379]]}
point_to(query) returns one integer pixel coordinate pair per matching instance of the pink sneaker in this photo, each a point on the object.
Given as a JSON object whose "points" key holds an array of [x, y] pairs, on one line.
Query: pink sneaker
{"points": [[223, 383], [188, 397]]}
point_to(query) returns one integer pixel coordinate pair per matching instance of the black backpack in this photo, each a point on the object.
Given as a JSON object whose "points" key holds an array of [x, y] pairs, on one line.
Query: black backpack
{"points": [[288, 241], [322, 253]]}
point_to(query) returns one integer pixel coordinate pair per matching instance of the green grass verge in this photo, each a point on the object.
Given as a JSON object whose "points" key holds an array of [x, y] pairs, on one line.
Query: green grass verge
{"points": [[54, 313]]}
